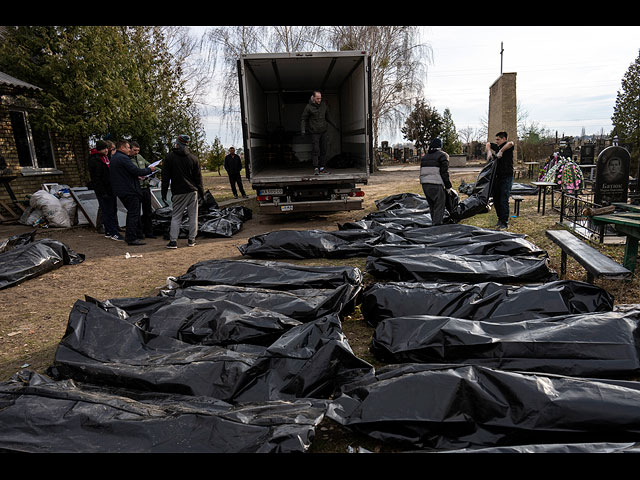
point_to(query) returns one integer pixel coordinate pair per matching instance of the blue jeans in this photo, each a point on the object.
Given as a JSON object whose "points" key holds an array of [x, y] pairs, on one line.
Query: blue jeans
{"points": [[501, 193]]}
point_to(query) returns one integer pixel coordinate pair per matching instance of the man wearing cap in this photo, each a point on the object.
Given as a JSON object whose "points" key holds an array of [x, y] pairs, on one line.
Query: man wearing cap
{"points": [[434, 177], [126, 186], [233, 166], [181, 169]]}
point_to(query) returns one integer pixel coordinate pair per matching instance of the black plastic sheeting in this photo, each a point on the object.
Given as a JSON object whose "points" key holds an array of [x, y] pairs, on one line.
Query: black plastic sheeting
{"points": [[212, 220], [479, 199], [71, 417], [308, 360], [303, 305], [599, 345], [483, 301], [268, 274], [454, 239], [23, 258], [470, 406], [446, 267]]}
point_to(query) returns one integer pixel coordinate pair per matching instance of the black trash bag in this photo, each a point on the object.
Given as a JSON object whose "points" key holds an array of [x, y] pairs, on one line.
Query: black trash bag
{"points": [[308, 360], [32, 259], [402, 200], [302, 244], [469, 406], [268, 274], [461, 268], [303, 305], [17, 240], [597, 345], [451, 234], [595, 447], [509, 246], [96, 419], [101, 348], [218, 322], [478, 200], [522, 189], [393, 224], [483, 301], [312, 360]]}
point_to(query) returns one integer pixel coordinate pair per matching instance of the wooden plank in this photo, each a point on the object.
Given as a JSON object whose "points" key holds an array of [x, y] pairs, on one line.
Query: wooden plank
{"points": [[627, 206], [630, 219], [594, 262]]}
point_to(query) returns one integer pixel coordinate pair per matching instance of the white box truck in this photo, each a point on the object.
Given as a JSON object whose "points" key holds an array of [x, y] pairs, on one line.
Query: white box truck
{"points": [[274, 90]]}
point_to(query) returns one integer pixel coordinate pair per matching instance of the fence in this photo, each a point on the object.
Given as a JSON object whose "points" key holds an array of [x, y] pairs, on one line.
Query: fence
{"points": [[572, 207]]}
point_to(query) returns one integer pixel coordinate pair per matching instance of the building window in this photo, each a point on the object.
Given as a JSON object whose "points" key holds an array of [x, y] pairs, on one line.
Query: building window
{"points": [[33, 144]]}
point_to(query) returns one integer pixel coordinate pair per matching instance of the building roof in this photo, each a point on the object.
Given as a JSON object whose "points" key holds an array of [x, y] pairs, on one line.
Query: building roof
{"points": [[14, 82]]}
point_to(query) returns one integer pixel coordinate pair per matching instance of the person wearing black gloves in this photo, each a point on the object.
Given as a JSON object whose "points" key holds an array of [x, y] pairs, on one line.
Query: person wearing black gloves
{"points": [[182, 170], [233, 166], [124, 182], [434, 177], [503, 180]]}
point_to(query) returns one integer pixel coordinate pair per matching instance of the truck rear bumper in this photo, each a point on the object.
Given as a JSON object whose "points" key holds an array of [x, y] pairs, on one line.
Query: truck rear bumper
{"points": [[312, 206]]}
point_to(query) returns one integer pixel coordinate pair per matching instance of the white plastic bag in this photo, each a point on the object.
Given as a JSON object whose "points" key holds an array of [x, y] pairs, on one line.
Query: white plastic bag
{"points": [[51, 207]]}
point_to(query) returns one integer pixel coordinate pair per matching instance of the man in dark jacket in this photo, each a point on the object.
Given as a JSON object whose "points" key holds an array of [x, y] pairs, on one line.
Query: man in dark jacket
{"points": [[233, 166], [434, 177], [503, 180], [315, 118], [101, 185], [182, 169], [126, 186]]}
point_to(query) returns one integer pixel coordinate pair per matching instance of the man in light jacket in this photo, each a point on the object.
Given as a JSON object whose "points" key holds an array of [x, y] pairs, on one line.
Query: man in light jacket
{"points": [[434, 177]]}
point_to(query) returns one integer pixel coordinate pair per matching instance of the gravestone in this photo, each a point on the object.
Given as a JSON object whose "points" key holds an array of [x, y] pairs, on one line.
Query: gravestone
{"points": [[612, 176], [587, 154]]}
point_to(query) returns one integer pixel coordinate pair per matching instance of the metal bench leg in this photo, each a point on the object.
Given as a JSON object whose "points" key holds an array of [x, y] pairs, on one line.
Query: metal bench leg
{"points": [[563, 264], [590, 277], [630, 253]]}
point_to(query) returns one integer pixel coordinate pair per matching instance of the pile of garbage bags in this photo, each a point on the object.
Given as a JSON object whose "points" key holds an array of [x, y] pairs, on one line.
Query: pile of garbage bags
{"points": [[213, 221], [238, 356], [22, 257], [53, 208]]}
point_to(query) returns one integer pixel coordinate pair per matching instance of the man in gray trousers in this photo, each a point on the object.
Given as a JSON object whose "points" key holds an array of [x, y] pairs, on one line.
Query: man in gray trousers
{"points": [[181, 170]]}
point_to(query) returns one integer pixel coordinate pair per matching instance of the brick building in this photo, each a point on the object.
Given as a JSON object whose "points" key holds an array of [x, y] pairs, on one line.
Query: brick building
{"points": [[34, 156]]}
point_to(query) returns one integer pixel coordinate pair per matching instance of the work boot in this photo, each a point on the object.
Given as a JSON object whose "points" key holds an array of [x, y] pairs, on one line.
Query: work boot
{"points": [[137, 241]]}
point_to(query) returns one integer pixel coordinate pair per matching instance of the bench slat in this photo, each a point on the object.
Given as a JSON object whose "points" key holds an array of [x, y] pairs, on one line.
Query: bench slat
{"points": [[594, 262]]}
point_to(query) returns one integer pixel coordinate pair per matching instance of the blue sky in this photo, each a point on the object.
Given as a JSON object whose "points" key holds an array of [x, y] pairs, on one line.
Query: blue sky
{"points": [[567, 76]]}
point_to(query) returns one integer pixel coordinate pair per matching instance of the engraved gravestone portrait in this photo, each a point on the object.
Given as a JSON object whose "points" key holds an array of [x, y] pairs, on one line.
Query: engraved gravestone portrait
{"points": [[612, 176]]}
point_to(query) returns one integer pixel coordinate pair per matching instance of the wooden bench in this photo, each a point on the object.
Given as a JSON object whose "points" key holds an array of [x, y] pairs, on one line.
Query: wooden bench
{"points": [[595, 263], [516, 204]]}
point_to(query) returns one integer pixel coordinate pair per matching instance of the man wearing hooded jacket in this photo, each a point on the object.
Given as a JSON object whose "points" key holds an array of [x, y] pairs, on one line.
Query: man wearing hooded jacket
{"points": [[315, 116], [181, 169]]}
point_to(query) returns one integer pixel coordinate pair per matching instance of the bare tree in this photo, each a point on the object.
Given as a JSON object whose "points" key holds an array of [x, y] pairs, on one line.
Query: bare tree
{"points": [[398, 60], [399, 65]]}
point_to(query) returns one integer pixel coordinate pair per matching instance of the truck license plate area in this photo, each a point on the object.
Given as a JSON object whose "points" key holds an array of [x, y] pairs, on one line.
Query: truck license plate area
{"points": [[271, 191], [286, 208]]}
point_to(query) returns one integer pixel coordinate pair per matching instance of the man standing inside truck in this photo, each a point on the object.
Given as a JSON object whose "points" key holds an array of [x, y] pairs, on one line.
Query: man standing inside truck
{"points": [[315, 118]]}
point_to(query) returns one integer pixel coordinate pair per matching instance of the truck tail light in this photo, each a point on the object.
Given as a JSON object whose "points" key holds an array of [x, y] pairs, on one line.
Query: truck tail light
{"points": [[264, 198], [359, 193]]}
